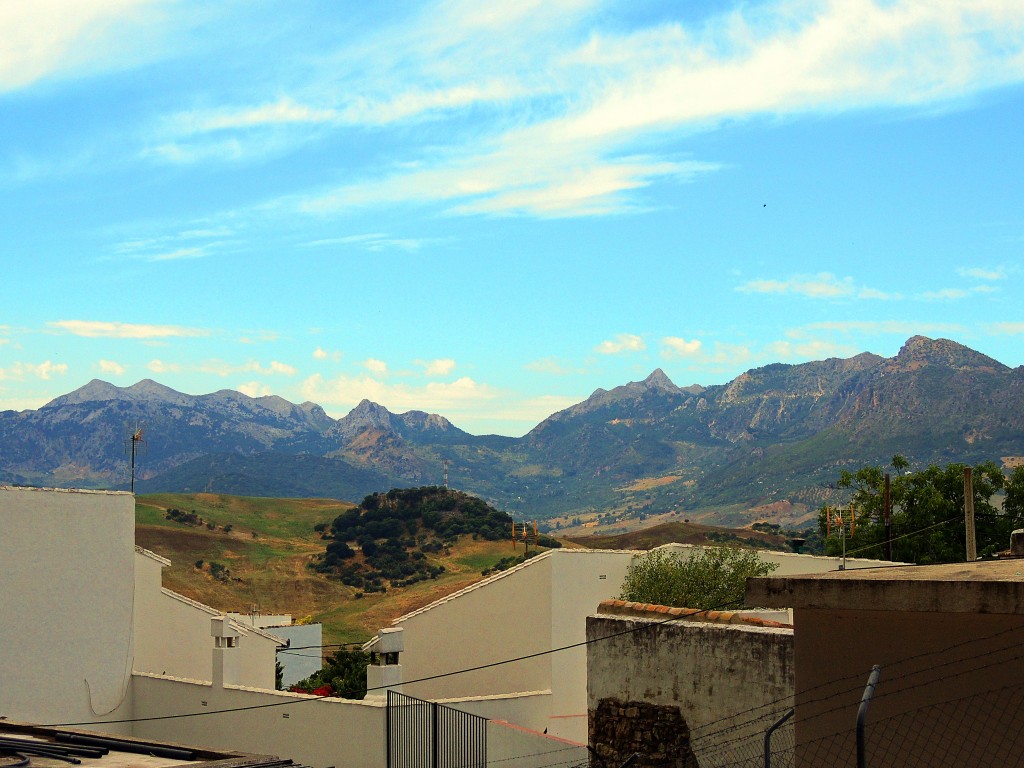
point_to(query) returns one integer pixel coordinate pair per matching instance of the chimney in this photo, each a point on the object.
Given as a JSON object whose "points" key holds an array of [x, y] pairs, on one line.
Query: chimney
{"points": [[384, 672], [1017, 543], [225, 655]]}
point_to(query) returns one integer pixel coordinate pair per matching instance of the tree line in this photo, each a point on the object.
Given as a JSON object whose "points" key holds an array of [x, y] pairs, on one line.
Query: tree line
{"points": [[927, 523]]}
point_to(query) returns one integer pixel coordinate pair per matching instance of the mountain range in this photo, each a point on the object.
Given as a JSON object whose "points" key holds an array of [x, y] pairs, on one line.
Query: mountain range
{"points": [[770, 442]]}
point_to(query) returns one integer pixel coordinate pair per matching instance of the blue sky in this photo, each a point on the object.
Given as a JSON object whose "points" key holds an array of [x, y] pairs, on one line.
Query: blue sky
{"points": [[489, 209]]}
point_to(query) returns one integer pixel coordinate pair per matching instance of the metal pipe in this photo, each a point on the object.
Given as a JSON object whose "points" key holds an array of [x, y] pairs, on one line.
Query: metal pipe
{"points": [[137, 747], [862, 713], [768, 737]]}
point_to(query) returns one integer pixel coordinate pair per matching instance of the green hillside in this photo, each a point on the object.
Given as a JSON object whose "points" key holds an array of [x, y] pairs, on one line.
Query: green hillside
{"points": [[257, 551]]}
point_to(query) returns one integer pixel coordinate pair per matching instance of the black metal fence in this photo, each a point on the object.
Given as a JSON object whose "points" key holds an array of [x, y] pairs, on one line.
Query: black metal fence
{"points": [[425, 734]]}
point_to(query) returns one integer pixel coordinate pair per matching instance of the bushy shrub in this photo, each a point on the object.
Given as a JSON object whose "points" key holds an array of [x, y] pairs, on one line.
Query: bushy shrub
{"points": [[714, 578]]}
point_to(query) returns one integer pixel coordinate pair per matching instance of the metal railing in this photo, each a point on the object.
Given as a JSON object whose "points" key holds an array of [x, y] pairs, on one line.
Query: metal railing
{"points": [[425, 734]]}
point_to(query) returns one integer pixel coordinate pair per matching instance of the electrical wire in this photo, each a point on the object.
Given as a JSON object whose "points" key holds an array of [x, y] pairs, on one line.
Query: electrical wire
{"points": [[903, 536], [339, 694], [787, 700], [889, 680]]}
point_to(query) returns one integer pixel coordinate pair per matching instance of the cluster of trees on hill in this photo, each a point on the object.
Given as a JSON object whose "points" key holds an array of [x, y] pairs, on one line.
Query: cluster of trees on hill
{"points": [[398, 531], [402, 511], [927, 511], [192, 518]]}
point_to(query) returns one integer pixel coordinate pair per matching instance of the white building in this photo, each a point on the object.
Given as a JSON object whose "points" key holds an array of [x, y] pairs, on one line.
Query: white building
{"points": [[92, 640], [302, 657], [521, 613]]}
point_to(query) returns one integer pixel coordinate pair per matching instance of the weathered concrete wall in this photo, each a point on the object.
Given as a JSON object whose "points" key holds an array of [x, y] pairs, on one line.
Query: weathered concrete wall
{"points": [[66, 586], [728, 683], [951, 690]]}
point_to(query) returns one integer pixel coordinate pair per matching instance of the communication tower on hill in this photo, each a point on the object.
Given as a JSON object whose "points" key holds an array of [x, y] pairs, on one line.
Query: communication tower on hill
{"points": [[446, 474]]}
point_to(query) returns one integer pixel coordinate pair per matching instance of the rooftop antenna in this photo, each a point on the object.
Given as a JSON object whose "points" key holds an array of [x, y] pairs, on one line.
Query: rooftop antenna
{"points": [[134, 444]]}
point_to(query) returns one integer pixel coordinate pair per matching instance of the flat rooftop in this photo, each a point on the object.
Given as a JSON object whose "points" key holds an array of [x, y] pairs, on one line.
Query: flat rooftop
{"points": [[995, 586]]}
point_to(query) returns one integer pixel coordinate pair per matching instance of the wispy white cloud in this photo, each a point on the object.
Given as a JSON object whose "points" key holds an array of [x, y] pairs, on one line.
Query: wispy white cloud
{"points": [[322, 354], [173, 246], [373, 365], [553, 366], [223, 369], [980, 273], [282, 111], [259, 337], [52, 38], [254, 389], [719, 356], [20, 371], [371, 242], [110, 366], [823, 285], [953, 294], [812, 349], [161, 366], [571, 158], [623, 342], [442, 366], [1006, 328], [676, 346], [459, 396], [879, 327], [102, 329]]}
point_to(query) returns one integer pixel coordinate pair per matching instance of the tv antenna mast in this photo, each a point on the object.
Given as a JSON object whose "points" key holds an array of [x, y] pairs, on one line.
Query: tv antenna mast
{"points": [[134, 444], [446, 474]]}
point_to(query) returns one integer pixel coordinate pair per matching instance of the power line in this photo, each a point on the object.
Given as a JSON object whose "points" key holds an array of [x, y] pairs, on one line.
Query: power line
{"points": [[439, 676], [860, 676], [903, 536], [855, 676]]}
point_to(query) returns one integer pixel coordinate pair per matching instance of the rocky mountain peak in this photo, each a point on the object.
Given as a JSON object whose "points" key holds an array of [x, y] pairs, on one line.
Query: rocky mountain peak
{"points": [[366, 415], [426, 422], [919, 351], [95, 391], [658, 380], [147, 389]]}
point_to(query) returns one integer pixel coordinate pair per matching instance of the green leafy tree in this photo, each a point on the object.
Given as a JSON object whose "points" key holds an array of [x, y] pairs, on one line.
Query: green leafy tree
{"points": [[343, 675], [927, 512], [1013, 504], [714, 578]]}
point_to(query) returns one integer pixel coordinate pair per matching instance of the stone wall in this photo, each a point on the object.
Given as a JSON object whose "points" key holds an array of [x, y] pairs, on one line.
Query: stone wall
{"points": [[656, 733], [715, 685]]}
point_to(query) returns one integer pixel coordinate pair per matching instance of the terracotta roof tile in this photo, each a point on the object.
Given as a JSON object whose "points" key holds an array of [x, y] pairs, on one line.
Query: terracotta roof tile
{"points": [[650, 611]]}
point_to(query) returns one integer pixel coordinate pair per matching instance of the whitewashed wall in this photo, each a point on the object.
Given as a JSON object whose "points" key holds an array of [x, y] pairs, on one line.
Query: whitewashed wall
{"points": [[66, 587], [540, 604], [172, 634], [315, 732]]}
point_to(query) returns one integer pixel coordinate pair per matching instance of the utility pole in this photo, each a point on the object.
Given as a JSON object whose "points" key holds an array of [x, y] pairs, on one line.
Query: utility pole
{"points": [[972, 545], [887, 516]]}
